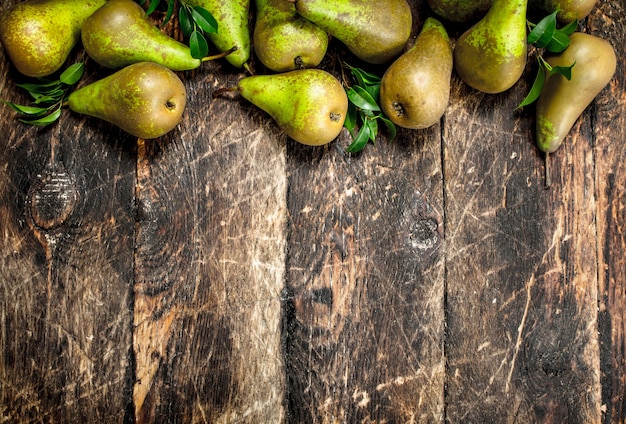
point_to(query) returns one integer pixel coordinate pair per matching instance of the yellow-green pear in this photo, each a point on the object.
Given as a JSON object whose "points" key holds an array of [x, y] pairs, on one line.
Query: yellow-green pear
{"points": [[38, 35], [415, 89], [283, 40], [233, 29], [491, 55], [568, 10], [309, 105], [374, 31], [460, 11], [144, 99], [120, 33]]}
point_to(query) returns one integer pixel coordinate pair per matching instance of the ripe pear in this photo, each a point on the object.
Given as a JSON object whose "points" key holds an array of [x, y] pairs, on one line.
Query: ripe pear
{"points": [[374, 31], [232, 28], [120, 33], [283, 40], [491, 55], [415, 89], [460, 11], [144, 99], [562, 101], [568, 10], [309, 105], [38, 35]]}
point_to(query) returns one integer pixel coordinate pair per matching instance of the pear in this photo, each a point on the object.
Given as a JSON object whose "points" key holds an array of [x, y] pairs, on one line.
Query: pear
{"points": [[562, 101], [144, 99], [374, 31], [38, 35], [283, 40], [415, 89], [460, 11], [491, 55], [309, 105], [233, 30], [120, 33], [568, 10]]}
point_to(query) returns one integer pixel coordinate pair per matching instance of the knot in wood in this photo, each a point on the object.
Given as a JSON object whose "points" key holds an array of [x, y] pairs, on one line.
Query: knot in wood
{"points": [[423, 233], [52, 201]]}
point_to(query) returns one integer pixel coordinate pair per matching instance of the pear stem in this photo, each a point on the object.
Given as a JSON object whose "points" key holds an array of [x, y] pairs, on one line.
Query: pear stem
{"points": [[548, 181], [220, 55], [223, 90], [246, 66]]}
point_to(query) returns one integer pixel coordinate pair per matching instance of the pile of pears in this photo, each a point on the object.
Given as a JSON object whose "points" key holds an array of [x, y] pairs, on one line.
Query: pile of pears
{"points": [[144, 95]]}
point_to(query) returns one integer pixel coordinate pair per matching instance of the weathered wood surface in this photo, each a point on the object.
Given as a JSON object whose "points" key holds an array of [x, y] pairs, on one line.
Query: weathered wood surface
{"points": [[226, 274]]}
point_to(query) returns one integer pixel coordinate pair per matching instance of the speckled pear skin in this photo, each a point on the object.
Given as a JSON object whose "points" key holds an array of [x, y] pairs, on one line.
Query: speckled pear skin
{"points": [[309, 105], [233, 30], [415, 88], [38, 35], [491, 55], [285, 41], [568, 10], [562, 101], [120, 33], [144, 99], [374, 31], [460, 11]]}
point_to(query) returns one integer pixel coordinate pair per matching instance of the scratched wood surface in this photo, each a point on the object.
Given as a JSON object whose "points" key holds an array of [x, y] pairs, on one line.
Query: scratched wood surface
{"points": [[225, 274]]}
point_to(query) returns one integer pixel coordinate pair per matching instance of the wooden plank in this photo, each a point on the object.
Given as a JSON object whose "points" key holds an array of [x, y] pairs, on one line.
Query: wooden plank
{"points": [[609, 115], [65, 268], [210, 263], [521, 274]]}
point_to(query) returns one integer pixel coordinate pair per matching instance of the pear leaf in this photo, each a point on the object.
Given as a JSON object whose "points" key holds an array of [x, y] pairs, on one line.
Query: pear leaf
{"points": [[362, 99], [198, 45], [351, 117], [73, 73], [152, 7], [364, 78], [535, 90], [171, 6], [391, 127], [542, 33], [184, 19], [558, 43], [570, 28], [204, 19], [566, 71], [360, 141], [372, 123], [46, 120], [27, 110]]}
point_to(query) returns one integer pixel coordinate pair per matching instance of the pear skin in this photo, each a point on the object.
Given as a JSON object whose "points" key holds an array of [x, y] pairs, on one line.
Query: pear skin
{"points": [[232, 28], [374, 31], [563, 101], [145, 99], [309, 105], [38, 35], [415, 89], [285, 41], [491, 55], [460, 11], [568, 10], [120, 33]]}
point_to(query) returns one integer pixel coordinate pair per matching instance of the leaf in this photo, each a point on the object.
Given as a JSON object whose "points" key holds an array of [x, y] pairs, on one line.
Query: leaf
{"points": [[373, 128], [570, 28], [360, 141], [535, 90], [351, 118], [558, 43], [566, 71], [72, 74], [362, 99], [391, 127], [27, 110], [170, 11], [184, 18], [46, 120], [154, 4], [542, 33], [204, 19], [198, 45]]}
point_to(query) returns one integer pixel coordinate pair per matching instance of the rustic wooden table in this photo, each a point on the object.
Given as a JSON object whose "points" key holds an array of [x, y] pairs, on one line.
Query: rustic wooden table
{"points": [[225, 274]]}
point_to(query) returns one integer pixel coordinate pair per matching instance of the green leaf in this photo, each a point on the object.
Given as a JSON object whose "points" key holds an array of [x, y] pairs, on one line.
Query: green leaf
{"points": [[26, 110], [198, 45], [542, 33], [391, 127], [46, 120], [558, 43], [154, 4], [362, 99], [570, 28], [373, 128], [204, 19], [170, 11], [72, 74], [535, 90], [364, 78], [566, 71], [186, 25], [360, 141], [351, 118]]}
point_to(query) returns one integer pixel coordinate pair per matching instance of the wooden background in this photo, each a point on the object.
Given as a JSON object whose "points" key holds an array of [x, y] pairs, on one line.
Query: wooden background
{"points": [[225, 274]]}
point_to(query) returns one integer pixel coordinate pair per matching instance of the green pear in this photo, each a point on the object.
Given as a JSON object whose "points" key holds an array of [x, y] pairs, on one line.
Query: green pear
{"points": [[309, 105], [562, 101], [144, 99], [120, 33], [491, 55], [374, 31], [232, 28], [415, 89], [568, 10], [283, 40], [460, 11], [38, 35]]}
